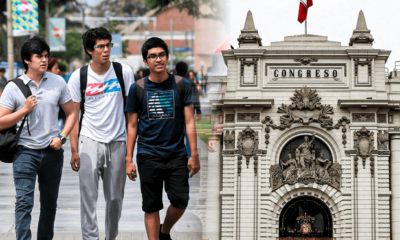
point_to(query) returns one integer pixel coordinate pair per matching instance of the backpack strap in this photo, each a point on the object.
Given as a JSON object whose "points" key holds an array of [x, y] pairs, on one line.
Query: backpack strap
{"points": [[83, 80], [140, 90], [118, 71], [27, 93]]}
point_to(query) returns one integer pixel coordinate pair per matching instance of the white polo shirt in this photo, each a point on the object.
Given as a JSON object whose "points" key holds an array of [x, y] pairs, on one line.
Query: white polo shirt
{"points": [[43, 119]]}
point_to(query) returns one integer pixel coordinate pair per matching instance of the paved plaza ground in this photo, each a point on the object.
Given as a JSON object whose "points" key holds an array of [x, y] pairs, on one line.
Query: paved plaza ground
{"points": [[67, 224]]}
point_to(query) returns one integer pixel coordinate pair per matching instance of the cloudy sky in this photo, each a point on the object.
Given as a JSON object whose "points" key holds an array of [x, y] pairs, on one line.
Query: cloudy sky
{"points": [[335, 19]]}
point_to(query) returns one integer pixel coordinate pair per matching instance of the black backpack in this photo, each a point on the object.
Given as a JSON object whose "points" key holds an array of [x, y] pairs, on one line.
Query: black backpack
{"points": [[141, 89], [9, 137], [83, 80]]}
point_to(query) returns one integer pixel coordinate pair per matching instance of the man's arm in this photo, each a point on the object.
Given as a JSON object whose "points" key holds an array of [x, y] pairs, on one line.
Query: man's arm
{"points": [[70, 121], [75, 164], [9, 118], [132, 127], [193, 163]]}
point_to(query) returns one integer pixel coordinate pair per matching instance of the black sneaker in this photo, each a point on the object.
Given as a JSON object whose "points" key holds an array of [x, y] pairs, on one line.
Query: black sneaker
{"points": [[164, 236]]}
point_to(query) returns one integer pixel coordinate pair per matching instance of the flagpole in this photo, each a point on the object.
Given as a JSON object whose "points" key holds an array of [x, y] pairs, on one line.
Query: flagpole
{"points": [[306, 26]]}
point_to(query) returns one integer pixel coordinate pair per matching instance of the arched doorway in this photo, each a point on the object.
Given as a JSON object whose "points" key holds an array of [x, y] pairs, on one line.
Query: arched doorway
{"points": [[305, 218]]}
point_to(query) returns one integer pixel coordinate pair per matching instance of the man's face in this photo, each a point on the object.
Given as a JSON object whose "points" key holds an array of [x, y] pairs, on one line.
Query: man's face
{"points": [[306, 139], [38, 62], [158, 65], [100, 53], [2, 74]]}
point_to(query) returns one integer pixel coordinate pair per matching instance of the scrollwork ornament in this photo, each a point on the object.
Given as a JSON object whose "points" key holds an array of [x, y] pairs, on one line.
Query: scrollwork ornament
{"points": [[248, 143], [355, 166]]}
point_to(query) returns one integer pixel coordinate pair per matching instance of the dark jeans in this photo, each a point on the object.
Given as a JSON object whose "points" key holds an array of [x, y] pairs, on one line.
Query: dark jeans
{"points": [[47, 164]]}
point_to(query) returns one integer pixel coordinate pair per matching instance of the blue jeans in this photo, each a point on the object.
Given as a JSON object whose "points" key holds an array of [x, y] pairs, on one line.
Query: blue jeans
{"points": [[47, 164]]}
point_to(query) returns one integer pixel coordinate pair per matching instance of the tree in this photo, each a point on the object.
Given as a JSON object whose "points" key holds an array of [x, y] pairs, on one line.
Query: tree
{"points": [[192, 7]]}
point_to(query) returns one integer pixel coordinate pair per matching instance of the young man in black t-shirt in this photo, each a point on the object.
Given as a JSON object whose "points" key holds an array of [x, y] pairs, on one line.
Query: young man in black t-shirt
{"points": [[164, 113]]}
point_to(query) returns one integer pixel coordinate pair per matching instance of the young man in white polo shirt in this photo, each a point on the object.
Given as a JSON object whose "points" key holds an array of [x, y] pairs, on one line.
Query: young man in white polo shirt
{"points": [[39, 152], [101, 149]]}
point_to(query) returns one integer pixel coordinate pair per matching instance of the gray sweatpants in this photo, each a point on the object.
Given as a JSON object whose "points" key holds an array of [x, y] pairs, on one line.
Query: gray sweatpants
{"points": [[105, 160]]}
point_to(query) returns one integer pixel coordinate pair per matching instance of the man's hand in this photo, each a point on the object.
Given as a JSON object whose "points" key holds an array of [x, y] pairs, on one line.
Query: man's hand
{"points": [[75, 161], [131, 169], [198, 116], [211, 144], [30, 103], [194, 165], [56, 143]]}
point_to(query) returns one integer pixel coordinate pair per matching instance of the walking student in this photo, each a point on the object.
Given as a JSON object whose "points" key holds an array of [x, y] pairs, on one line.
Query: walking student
{"points": [[164, 105], [98, 93], [39, 152]]}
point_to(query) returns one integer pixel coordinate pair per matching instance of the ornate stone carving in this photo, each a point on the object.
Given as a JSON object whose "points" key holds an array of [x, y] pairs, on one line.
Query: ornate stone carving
{"points": [[248, 117], [229, 118], [362, 63], [306, 60], [230, 152], [239, 165], [364, 143], [383, 139], [342, 123], [363, 117], [381, 118], [355, 166], [248, 143], [229, 140], [304, 167], [243, 62], [372, 164], [305, 109], [362, 38], [268, 122]]}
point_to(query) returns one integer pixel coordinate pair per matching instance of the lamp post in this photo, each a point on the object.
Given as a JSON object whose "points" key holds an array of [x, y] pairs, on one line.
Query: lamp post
{"points": [[81, 7], [10, 42]]}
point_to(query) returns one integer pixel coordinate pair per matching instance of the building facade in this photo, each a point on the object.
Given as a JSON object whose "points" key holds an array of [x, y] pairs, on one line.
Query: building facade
{"points": [[310, 141]]}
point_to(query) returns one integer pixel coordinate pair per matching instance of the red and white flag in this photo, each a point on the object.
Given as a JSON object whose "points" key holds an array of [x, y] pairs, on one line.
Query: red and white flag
{"points": [[304, 5]]}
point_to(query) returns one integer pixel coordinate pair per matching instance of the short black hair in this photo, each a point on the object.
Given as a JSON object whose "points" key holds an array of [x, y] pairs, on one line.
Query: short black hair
{"points": [[153, 43], [31, 46], [2, 70], [90, 36], [181, 68], [62, 67]]}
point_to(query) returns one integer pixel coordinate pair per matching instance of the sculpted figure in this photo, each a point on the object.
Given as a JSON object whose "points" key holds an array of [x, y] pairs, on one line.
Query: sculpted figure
{"points": [[305, 158], [322, 166], [289, 174]]}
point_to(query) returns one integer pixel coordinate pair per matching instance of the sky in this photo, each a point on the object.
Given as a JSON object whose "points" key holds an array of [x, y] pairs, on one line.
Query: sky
{"points": [[335, 19]]}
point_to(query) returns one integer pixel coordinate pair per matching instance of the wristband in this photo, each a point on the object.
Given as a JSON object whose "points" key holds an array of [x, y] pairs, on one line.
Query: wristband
{"points": [[63, 134]]}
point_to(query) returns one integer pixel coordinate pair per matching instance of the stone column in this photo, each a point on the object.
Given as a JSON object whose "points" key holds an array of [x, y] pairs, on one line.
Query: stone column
{"points": [[213, 202], [395, 185]]}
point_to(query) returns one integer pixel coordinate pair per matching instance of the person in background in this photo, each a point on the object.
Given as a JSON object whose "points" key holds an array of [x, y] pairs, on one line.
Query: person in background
{"points": [[146, 72], [63, 72], [53, 66], [3, 80], [181, 70]]}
